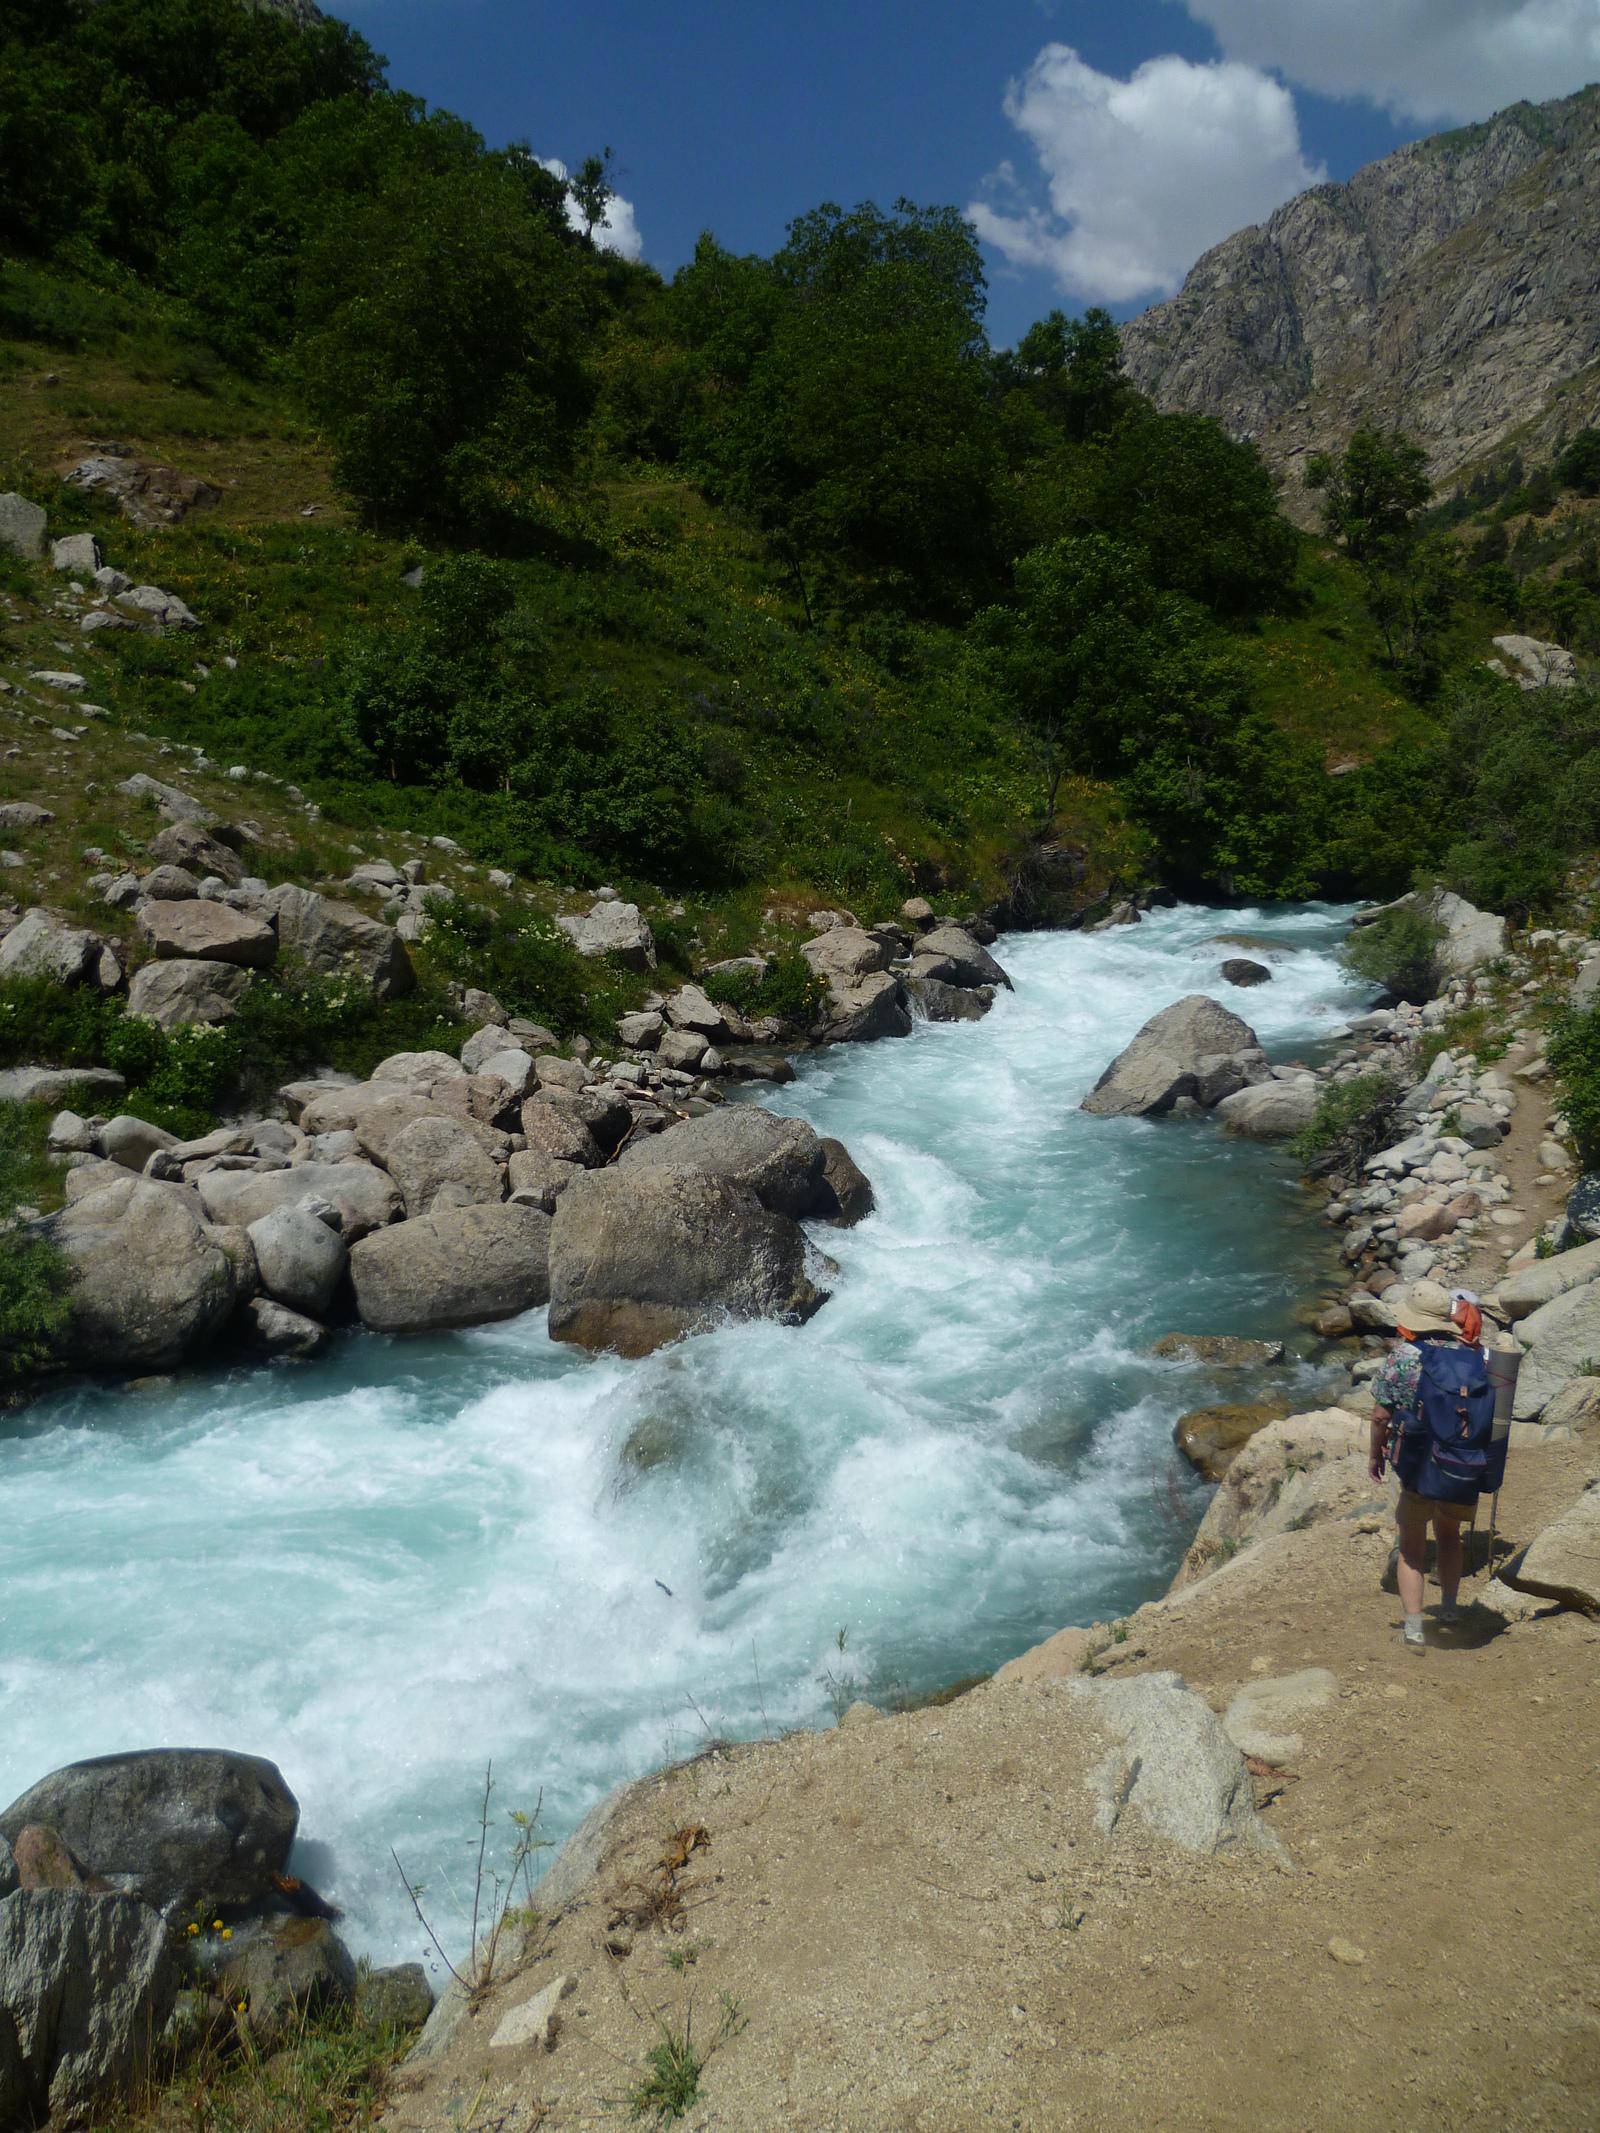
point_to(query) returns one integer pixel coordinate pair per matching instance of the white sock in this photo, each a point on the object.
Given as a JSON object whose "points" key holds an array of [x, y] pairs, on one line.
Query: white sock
{"points": [[1414, 1626]]}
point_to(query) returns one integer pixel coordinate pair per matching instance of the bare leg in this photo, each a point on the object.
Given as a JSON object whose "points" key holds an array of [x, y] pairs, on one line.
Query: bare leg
{"points": [[1447, 1540], [1413, 1530]]}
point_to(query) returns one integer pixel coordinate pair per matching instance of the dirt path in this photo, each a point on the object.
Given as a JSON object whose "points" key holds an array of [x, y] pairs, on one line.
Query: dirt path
{"points": [[921, 1927]]}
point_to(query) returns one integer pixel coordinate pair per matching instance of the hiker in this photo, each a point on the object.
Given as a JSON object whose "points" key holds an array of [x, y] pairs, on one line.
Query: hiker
{"points": [[1435, 1373]]}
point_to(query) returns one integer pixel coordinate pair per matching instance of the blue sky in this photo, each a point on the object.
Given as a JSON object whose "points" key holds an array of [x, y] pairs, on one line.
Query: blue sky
{"points": [[1101, 145]]}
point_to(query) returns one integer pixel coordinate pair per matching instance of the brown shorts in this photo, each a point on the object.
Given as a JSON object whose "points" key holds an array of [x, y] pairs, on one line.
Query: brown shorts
{"points": [[1426, 1507]]}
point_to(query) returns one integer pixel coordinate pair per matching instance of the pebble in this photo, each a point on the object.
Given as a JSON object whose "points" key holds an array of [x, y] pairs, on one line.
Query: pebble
{"points": [[1346, 1951]]}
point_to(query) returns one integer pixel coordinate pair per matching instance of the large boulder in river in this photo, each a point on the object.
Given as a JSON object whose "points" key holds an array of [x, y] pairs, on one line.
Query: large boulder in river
{"points": [[150, 1284], [641, 1257], [780, 1159], [86, 1986], [188, 1825], [458, 1266], [337, 940], [865, 1000], [1193, 1049], [1271, 1110], [847, 1196], [299, 1259], [968, 964]]}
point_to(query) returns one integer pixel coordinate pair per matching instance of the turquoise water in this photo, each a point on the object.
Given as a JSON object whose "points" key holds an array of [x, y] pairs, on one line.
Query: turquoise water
{"points": [[385, 1569]]}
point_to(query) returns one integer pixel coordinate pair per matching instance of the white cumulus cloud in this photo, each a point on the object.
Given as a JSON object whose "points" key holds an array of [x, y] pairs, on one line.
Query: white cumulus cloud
{"points": [[1142, 175], [1429, 60], [617, 230]]}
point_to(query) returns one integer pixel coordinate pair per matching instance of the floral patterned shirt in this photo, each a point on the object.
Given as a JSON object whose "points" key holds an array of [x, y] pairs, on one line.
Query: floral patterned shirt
{"points": [[1395, 1386]]}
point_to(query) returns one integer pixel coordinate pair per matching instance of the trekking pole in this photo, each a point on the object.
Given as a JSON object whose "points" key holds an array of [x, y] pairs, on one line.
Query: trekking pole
{"points": [[1494, 1513]]}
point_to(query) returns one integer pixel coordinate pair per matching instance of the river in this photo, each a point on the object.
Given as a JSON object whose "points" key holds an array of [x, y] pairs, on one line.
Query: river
{"points": [[386, 1568]]}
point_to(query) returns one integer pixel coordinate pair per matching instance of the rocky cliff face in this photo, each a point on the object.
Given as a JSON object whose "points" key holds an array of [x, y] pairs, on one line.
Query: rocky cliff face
{"points": [[1452, 289]]}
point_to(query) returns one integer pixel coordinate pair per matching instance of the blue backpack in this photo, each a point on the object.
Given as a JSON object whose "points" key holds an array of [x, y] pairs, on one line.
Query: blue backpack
{"points": [[1448, 1447]]}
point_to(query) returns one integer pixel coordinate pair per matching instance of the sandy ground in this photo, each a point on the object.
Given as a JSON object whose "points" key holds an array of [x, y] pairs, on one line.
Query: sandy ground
{"points": [[920, 1927]]}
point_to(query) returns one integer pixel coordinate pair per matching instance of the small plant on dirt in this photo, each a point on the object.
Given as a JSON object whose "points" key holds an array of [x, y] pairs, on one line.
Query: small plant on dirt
{"points": [[672, 2085], [681, 1959], [844, 1689], [1349, 1122], [492, 1896], [1544, 1247]]}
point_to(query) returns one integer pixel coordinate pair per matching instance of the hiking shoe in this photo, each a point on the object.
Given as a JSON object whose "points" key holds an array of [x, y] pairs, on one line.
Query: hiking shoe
{"points": [[1413, 1636], [1449, 1614]]}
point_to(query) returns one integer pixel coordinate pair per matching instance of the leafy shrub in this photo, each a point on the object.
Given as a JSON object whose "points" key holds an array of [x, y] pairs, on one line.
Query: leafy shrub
{"points": [[531, 969], [788, 987], [1574, 1052], [1350, 1119], [1579, 465], [1398, 951], [33, 1275]]}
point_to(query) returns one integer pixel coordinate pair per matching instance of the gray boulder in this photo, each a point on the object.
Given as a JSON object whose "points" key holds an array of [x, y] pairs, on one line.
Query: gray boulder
{"points": [[683, 1049], [1176, 1767], [780, 1160], [556, 1131], [364, 1197], [174, 995], [22, 526], [301, 1261], [86, 1985], [284, 1969], [419, 1066], [1271, 1111], [511, 1065], [150, 1285], [8, 1869], [436, 1162], [1562, 1339], [170, 883], [24, 814], [487, 1043], [1528, 1288], [186, 845], [941, 1001], [847, 1196], [1583, 1205], [207, 932], [398, 1998], [39, 946], [459, 1266], [1168, 1058], [642, 1257], [336, 939], [689, 1009], [1239, 970], [52, 1085], [539, 1179], [846, 954], [641, 1032], [132, 1141], [1563, 1563], [970, 964], [176, 805], [273, 1329], [76, 551], [187, 1825], [614, 929]]}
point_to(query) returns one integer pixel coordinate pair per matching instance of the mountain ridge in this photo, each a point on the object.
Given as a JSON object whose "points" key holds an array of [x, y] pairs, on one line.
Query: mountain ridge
{"points": [[1451, 289]]}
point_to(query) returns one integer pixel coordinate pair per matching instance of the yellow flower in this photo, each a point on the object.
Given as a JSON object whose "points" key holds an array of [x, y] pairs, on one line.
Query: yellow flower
{"points": [[227, 1932], [194, 1929], [216, 1925]]}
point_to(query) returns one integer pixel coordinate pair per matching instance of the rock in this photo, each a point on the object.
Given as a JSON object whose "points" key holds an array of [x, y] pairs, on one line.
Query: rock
{"points": [[149, 1286], [156, 610], [174, 995], [207, 932], [514, 1067], [146, 494], [39, 946], [1209, 1437], [335, 939], [364, 1197], [436, 1161], [175, 805], [1563, 1562], [1422, 1221], [918, 913], [76, 551], [559, 1134], [1583, 1205], [48, 1085], [1575, 1406], [24, 814], [940, 1002], [1544, 666], [845, 1196], [43, 1860], [1223, 1351], [780, 1160], [9, 1878], [168, 884], [1176, 1766], [683, 1049], [287, 1969], [132, 1141], [301, 1261], [614, 929], [418, 1066], [22, 526], [1056, 1659], [489, 1042], [1370, 1314], [187, 1825], [539, 1178], [1239, 970], [1272, 1110], [1259, 1717], [689, 1009], [458, 1266], [397, 1998], [970, 964], [1346, 1951], [1295, 1472], [639, 1257], [373, 875], [1478, 1125], [1562, 1338], [187, 845], [273, 1329], [1334, 1324], [845, 954], [861, 1013], [1163, 1062], [640, 1033], [1542, 1280], [71, 1135], [86, 1985], [536, 2021], [557, 1073]]}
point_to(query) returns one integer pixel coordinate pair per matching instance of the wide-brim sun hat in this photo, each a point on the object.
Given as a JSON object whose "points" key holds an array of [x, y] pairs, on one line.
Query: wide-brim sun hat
{"points": [[1423, 1308]]}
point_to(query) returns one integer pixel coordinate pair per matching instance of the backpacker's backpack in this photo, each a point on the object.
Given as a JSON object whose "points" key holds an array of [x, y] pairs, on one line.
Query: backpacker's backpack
{"points": [[1447, 1447]]}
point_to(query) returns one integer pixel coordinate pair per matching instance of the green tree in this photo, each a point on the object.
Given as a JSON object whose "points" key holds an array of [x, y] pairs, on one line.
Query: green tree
{"points": [[1372, 491], [1579, 465], [1071, 371], [590, 186]]}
